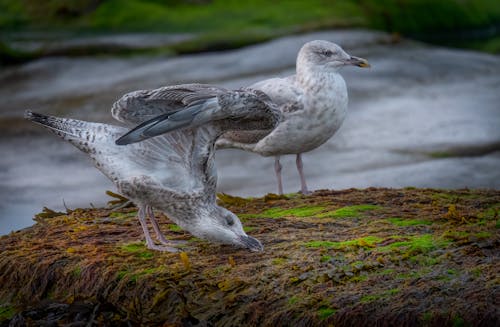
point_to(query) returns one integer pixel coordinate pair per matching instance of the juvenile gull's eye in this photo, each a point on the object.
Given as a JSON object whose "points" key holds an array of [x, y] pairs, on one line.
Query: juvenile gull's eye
{"points": [[230, 220]]}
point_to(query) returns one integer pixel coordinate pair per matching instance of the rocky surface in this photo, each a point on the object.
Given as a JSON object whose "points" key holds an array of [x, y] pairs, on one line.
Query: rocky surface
{"points": [[422, 116], [372, 257]]}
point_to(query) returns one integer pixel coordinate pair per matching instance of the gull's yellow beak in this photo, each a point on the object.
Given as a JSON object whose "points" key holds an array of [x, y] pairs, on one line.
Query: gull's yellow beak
{"points": [[360, 62]]}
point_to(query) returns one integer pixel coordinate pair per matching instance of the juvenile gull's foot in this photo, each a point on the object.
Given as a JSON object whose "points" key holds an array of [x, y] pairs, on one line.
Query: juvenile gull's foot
{"points": [[162, 248]]}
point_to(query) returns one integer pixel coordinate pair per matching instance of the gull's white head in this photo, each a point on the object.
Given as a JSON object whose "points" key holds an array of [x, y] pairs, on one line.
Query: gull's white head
{"points": [[327, 56], [220, 225]]}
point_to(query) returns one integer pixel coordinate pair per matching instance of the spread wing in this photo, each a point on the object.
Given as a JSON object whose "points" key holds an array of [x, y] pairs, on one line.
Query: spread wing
{"points": [[229, 110], [136, 107], [177, 164]]}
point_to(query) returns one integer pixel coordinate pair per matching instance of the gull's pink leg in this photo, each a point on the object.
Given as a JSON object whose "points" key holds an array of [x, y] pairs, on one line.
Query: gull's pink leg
{"points": [[141, 214], [277, 170], [159, 235], [300, 168]]}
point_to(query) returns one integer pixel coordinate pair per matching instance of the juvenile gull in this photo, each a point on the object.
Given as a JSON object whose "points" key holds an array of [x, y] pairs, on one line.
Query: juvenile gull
{"points": [[313, 103], [174, 173]]}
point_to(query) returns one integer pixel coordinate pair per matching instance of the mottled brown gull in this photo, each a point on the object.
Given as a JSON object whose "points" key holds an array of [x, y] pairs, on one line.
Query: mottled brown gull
{"points": [[313, 103], [174, 173]]}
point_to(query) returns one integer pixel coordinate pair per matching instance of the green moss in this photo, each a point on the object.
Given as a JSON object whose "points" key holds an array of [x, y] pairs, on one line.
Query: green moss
{"points": [[427, 316], [77, 271], [133, 247], [121, 274], [324, 313], [293, 195], [279, 261], [325, 258], [458, 236], [369, 298], [451, 197], [392, 291], [412, 274], [296, 212], [424, 260], [293, 300], [455, 235], [408, 222], [145, 255], [231, 199], [123, 215], [365, 242], [6, 312], [458, 321], [139, 249], [445, 278], [244, 216], [414, 244], [386, 272], [358, 278], [135, 275], [375, 297], [483, 235], [350, 211], [476, 272], [174, 228], [248, 228], [493, 212]]}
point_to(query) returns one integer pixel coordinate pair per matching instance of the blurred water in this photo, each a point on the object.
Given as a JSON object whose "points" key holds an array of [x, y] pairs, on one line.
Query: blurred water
{"points": [[422, 116]]}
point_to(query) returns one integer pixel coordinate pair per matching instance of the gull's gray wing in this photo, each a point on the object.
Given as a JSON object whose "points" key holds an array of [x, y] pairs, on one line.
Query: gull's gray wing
{"points": [[136, 107], [232, 110]]}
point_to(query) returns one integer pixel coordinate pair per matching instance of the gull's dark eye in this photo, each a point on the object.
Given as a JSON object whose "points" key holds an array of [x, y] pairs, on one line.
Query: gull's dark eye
{"points": [[327, 53], [230, 220]]}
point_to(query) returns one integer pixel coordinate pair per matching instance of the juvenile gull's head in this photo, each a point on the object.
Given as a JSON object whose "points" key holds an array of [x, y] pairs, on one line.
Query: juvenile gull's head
{"points": [[328, 56], [220, 225]]}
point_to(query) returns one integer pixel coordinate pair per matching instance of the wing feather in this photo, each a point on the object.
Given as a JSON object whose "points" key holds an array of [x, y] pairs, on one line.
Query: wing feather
{"points": [[136, 107]]}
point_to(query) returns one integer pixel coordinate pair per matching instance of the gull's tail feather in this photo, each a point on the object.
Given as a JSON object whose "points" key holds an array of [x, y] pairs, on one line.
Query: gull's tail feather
{"points": [[80, 133], [63, 127]]}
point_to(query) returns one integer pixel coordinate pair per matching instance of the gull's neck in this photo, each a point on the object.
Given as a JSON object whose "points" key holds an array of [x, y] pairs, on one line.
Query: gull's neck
{"points": [[314, 78]]}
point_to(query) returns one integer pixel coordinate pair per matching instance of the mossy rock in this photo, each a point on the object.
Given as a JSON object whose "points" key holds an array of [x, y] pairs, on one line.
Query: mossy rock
{"points": [[393, 257]]}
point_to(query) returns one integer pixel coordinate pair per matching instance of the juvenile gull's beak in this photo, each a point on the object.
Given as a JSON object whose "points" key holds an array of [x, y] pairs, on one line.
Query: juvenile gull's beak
{"points": [[251, 243], [356, 61]]}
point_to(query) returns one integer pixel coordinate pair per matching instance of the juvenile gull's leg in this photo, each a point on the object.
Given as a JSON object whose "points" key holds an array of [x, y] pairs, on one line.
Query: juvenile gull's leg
{"points": [[300, 168], [141, 214], [159, 235], [277, 170]]}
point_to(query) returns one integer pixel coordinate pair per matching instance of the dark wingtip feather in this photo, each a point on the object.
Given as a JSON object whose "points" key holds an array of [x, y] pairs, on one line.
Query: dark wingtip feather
{"points": [[126, 139], [35, 117], [137, 133], [28, 114]]}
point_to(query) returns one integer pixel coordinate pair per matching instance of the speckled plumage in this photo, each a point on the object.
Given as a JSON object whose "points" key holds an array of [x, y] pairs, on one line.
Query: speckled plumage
{"points": [[174, 173]]}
